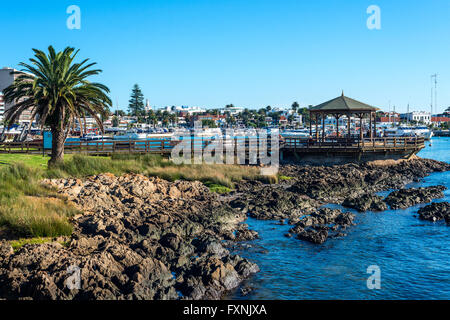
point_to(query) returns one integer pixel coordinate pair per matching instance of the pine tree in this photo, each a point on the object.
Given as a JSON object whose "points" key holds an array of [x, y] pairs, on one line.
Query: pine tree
{"points": [[136, 102]]}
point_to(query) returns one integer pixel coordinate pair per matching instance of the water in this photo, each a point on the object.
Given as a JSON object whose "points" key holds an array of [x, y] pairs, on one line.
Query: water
{"points": [[413, 255]]}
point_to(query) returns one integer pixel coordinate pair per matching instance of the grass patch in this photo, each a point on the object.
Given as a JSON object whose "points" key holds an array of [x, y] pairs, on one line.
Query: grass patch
{"points": [[284, 178], [17, 244], [217, 188], [31, 210], [155, 166], [34, 161]]}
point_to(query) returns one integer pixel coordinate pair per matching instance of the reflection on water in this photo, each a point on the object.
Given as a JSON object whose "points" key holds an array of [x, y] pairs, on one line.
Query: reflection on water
{"points": [[413, 255]]}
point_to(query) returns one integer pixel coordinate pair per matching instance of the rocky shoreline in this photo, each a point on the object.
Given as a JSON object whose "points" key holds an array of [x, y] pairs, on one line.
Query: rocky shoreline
{"points": [[147, 238], [139, 238]]}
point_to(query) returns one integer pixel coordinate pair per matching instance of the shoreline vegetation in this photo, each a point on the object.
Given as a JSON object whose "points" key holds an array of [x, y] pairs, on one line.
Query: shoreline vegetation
{"points": [[29, 209]]}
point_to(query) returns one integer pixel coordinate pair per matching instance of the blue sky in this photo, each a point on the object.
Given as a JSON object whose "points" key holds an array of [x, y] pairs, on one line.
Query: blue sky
{"points": [[251, 53]]}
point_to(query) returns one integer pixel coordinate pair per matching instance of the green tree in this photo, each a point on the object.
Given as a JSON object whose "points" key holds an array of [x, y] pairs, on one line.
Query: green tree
{"points": [[58, 92], [136, 103], [105, 116], [115, 121], [173, 118], [119, 113], [304, 112], [209, 123], [295, 106], [231, 120]]}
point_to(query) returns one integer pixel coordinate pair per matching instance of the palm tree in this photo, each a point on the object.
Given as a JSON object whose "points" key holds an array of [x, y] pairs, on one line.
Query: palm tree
{"points": [[173, 118], [57, 92]]}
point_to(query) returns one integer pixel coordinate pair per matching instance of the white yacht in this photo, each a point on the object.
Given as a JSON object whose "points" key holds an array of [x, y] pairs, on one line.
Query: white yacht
{"points": [[423, 131], [301, 133], [131, 134], [92, 137], [391, 132], [407, 131]]}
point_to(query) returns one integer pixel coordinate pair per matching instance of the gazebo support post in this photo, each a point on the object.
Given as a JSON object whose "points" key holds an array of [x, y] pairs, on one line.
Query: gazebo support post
{"points": [[374, 126], [323, 127], [348, 126], [337, 125], [317, 127], [361, 134], [310, 124], [372, 122]]}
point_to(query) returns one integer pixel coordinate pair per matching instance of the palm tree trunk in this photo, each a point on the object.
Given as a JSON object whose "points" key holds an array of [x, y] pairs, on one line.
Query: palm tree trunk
{"points": [[58, 139]]}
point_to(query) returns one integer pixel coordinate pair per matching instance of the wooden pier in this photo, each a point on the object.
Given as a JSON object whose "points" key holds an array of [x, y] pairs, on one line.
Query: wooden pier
{"points": [[328, 150], [344, 150], [352, 144]]}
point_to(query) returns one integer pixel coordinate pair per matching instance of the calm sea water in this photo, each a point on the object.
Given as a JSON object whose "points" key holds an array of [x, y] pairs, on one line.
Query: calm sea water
{"points": [[413, 255]]}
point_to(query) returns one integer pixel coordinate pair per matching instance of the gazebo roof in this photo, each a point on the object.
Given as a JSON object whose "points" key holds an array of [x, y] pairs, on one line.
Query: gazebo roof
{"points": [[343, 104]]}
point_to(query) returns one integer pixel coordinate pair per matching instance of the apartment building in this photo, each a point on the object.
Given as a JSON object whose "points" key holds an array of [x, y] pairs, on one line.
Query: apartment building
{"points": [[2, 107], [7, 77], [417, 116]]}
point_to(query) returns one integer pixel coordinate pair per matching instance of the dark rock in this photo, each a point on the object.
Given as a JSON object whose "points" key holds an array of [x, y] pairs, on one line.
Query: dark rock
{"points": [[336, 183], [272, 202], [322, 224], [405, 198], [366, 202], [435, 212]]}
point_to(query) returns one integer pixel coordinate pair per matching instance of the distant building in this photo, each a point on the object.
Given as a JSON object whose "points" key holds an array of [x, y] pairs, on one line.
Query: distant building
{"points": [[389, 119], [440, 120], [417, 116], [269, 120], [233, 110], [2, 107], [343, 121], [298, 120], [283, 121], [218, 119], [7, 78], [147, 106], [183, 109]]}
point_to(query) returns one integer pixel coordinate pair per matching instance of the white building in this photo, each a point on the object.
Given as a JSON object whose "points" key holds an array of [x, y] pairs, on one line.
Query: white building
{"points": [[232, 110], [189, 110], [6, 79], [2, 107], [298, 120], [147, 107], [343, 121], [417, 116]]}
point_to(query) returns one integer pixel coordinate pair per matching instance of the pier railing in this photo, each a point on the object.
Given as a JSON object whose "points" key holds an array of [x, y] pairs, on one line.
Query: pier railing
{"points": [[93, 147], [160, 146], [352, 144], [163, 146]]}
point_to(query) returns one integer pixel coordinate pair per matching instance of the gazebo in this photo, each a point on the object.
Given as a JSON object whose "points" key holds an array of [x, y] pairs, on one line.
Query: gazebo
{"points": [[343, 106]]}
